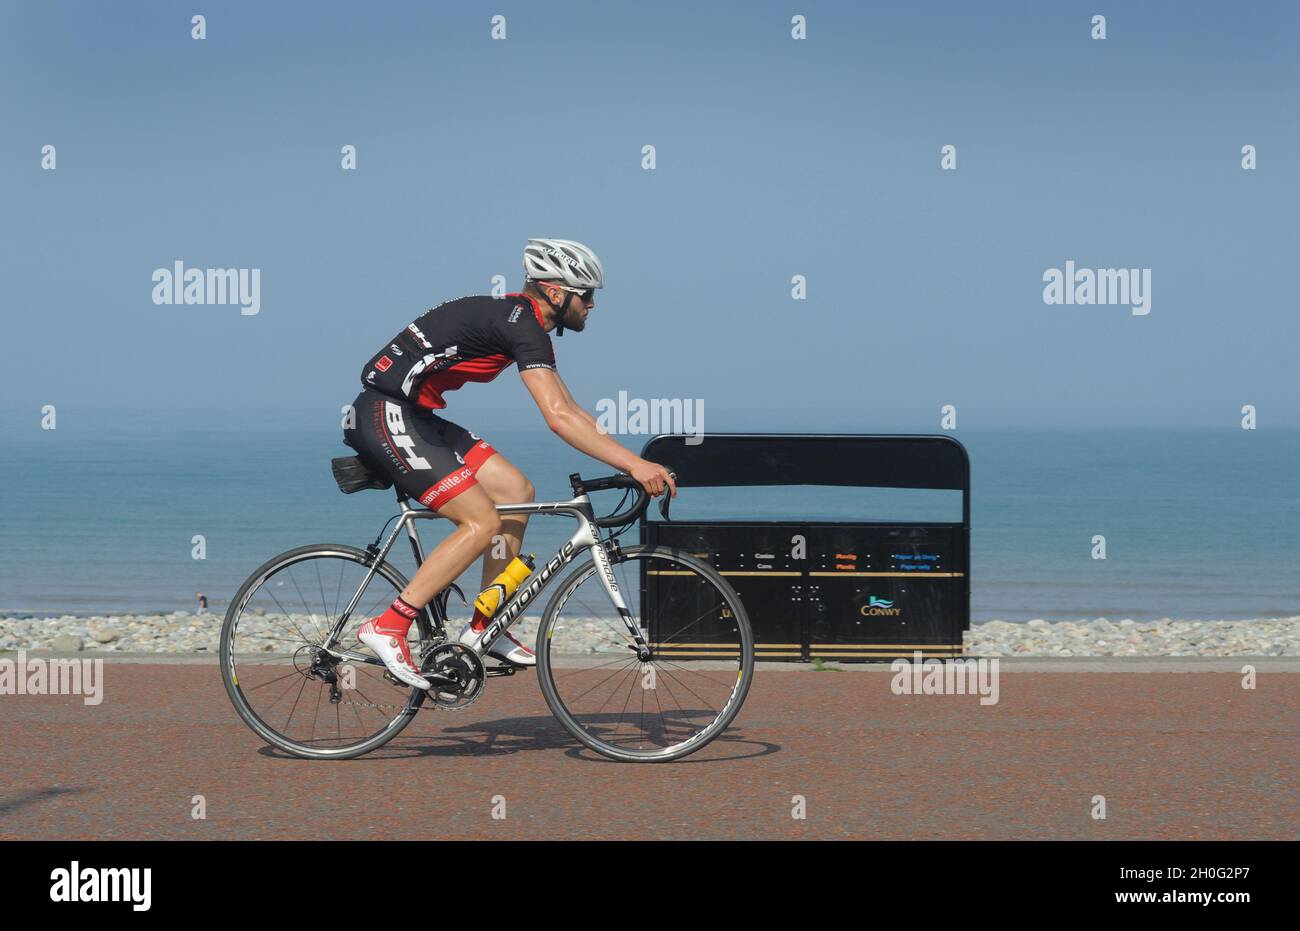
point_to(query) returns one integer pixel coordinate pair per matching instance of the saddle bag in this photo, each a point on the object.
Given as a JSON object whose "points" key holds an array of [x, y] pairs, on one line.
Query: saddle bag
{"points": [[353, 475]]}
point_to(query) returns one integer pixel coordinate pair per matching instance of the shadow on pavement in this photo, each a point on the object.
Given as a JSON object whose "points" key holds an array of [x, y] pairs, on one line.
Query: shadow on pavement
{"points": [[529, 734], [8, 806]]}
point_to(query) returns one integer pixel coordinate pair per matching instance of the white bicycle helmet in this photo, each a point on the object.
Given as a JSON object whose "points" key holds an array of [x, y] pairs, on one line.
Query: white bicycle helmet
{"points": [[563, 260]]}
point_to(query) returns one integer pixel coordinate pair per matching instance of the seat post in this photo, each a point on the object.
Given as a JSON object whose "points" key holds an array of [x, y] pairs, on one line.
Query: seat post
{"points": [[412, 533]]}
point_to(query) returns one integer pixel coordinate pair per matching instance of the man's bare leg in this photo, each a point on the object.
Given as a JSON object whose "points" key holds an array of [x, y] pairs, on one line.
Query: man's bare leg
{"points": [[477, 522], [505, 484]]}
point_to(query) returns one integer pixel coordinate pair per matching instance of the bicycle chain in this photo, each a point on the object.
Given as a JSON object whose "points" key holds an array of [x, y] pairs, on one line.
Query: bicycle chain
{"points": [[429, 704]]}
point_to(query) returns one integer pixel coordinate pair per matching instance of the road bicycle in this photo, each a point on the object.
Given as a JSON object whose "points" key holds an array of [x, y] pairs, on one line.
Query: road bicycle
{"points": [[642, 672]]}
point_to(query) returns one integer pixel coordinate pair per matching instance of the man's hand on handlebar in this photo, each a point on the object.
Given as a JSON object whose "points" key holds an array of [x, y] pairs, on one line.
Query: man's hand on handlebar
{"points": [[653, 477]]}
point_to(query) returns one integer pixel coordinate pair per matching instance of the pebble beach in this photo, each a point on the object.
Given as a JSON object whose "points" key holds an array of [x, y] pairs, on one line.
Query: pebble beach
{"points": [[182, 632]]}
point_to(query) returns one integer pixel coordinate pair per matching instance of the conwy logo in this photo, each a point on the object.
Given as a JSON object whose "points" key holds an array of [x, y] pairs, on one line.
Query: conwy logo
{"points": [[879, 607]]}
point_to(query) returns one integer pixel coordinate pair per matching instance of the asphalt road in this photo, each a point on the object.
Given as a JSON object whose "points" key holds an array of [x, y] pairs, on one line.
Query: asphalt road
{"points": [[1178, 750]]}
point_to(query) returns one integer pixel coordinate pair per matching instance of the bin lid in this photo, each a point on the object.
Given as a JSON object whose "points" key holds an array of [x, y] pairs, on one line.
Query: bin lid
{"points": [[867, 460]]}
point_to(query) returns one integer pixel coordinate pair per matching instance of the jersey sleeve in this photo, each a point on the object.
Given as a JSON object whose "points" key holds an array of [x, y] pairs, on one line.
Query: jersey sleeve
{"points": [[526, 342]]}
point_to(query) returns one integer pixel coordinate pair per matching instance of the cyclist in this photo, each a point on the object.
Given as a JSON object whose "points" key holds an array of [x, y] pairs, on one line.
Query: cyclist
{"points": [[455, 472]]}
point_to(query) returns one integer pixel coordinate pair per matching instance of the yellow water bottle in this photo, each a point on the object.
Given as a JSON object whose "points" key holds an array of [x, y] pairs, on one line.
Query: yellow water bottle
{"points": [[503, 586]]}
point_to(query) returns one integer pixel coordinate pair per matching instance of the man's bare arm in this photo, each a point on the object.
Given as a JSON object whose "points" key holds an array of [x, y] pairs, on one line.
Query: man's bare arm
{"points": [[578, 428], [575, 405]]}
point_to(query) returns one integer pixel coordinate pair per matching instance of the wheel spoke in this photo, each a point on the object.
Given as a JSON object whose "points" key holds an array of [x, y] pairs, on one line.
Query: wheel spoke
{"points": [[692, 697], [279, 671]]}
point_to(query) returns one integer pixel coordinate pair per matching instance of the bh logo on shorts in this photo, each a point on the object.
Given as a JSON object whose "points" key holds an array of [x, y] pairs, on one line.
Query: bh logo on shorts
{"points": [[397, 430]]}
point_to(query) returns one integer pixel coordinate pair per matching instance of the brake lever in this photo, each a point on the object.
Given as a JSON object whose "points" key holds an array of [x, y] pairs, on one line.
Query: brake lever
{"points": [[668, 497]]}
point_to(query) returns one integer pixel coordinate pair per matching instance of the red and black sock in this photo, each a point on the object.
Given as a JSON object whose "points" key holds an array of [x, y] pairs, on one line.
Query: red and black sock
{"points": [[397, 619]]}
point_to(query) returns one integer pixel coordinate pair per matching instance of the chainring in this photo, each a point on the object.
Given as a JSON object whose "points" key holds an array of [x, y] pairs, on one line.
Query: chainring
{"points": [[462, 664]]}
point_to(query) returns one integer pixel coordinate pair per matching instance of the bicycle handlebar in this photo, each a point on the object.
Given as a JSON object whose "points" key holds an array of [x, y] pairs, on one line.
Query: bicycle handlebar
{"points": [[621, 480]]}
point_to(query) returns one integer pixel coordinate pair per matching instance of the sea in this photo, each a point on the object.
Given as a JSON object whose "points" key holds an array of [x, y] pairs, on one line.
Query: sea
{"points": [[116, 513]]}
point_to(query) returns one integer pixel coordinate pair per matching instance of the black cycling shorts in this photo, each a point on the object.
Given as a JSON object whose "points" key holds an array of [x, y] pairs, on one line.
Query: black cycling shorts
{"points": [[429, 459]]}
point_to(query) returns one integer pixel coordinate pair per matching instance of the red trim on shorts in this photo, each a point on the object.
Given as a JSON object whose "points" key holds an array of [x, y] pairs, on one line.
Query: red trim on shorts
{"points": [[448, 487], [479, 453]]}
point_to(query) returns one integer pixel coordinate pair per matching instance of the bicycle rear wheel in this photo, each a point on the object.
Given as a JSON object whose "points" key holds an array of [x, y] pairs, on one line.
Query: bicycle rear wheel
{"points": [[297, 696], [701, 663]]}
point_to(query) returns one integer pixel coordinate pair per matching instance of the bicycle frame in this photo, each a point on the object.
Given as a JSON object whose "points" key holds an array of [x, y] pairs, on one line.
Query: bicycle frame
{"points": [[586, 538]]}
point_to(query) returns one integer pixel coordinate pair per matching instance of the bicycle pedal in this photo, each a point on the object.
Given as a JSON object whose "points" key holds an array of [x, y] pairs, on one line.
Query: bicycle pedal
{"points": [[495, 671]]}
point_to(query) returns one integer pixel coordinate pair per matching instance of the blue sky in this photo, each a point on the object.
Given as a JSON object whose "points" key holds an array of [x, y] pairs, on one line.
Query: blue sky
{"points": [[775, 157]]}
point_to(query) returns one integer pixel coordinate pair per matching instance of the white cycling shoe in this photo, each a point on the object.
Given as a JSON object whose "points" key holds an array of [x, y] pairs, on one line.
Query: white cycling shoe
{"points": [[507, 648], [392, 649]]}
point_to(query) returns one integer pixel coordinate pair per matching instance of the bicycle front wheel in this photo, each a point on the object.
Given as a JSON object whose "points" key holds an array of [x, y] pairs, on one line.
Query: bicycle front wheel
{"points": [[700, 666]]}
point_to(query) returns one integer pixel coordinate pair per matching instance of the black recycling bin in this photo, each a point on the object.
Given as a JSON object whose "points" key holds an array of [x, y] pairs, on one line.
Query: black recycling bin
{"points": [[852, 590]]}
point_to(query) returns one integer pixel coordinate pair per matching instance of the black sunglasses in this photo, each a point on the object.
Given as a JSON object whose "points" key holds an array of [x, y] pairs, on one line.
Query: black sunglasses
{"points": [[586, 295]]}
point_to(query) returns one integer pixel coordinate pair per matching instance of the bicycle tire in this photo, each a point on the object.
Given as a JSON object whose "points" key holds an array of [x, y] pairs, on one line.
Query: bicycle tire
{"points": [[545, 667], [227, 658]]}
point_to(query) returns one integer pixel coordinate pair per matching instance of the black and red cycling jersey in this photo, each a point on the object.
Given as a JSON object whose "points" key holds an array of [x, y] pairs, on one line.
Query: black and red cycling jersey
{"points": [[467, 339]]}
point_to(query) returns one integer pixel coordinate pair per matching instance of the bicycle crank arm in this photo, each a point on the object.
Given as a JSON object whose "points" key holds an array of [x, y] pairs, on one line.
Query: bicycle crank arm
{"points": [[436, 680], [441, 678]]}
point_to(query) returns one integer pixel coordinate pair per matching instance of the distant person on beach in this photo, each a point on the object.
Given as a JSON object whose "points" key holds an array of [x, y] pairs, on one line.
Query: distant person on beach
{"points": [[453, 471], [203, 601]]}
